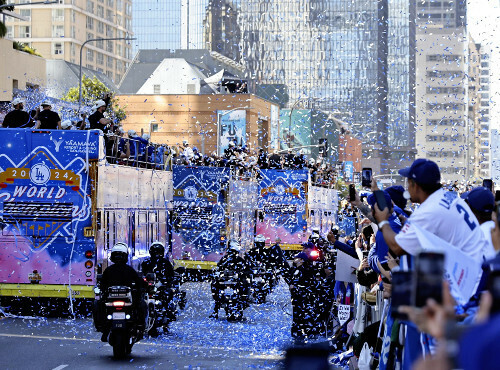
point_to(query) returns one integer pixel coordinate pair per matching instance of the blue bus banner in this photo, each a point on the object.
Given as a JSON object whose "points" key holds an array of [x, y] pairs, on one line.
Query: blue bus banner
{"points": [[282, 206], [45, 205], [199, 212]]}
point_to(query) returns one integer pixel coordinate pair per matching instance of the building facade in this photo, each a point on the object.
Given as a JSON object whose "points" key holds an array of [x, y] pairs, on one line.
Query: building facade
{"points": [[486, 142], [58, 31], [197, 119], [443, 128]]}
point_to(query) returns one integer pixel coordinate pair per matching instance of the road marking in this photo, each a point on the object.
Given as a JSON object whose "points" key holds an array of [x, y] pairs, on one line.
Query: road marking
{"points": [[60, 367], [163, 345]]}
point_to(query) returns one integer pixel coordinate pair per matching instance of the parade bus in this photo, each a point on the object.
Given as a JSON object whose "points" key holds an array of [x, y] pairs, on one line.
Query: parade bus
{"points": [[62, 208]]}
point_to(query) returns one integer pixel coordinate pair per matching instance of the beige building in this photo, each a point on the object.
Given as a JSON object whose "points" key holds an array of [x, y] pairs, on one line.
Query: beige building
{"points": [[57, 31], [474, 107], [24, 70], [170, 119], [443, 129]]}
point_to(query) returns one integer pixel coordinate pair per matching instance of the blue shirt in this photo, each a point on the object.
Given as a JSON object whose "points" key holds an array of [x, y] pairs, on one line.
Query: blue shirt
{"points": [[381, 248]]}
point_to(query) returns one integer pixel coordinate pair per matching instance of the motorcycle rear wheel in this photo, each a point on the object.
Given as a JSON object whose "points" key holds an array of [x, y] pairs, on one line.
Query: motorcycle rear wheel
{"points": [[121, 346]]}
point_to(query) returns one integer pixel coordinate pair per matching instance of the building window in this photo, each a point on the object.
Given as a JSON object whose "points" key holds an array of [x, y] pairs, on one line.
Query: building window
{"points": [[24, 31], [90, 6], [109, 15], [109, 31], [109, 46], [119, 20], [73, 32], [100, 58], [58, 31], [10, 32], [100, 11], [119, 5], [100, 27], [100, 44], [26, 13], [156, 89], [109, 74], [90, 23], [154, 127], [109, 62], [90, 55], [58, 15], [57, 48], [111, 3]]}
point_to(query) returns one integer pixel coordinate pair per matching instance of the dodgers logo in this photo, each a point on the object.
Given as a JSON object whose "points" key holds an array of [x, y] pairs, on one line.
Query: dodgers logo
{"points": [[190, 193], [40, 174]]}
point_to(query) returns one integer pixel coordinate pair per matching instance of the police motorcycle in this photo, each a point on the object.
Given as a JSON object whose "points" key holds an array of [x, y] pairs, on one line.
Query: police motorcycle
{"points": [[264, 277], [164, 289], [230, 284], [120, 310]]}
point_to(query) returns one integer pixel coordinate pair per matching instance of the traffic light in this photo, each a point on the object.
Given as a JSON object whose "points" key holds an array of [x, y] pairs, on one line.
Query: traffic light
{"points": [[323, 147]]}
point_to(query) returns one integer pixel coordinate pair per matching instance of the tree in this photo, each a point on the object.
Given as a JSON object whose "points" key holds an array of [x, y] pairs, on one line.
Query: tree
{"points": [[92, 90], [3, 28]]}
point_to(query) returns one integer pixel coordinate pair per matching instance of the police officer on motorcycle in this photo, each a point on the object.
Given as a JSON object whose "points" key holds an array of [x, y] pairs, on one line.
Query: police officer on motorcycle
{"points": [[271, 257], [232, 261], [157, 263], [121, 274]]}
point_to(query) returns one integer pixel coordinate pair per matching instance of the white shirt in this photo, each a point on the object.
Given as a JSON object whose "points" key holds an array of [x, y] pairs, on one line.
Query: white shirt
{"points": [[486, 229], [447, 216]]}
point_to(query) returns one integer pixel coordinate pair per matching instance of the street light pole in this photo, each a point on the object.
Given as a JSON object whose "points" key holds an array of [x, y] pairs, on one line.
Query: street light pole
{"points": [[25, 4], [81, 50]]}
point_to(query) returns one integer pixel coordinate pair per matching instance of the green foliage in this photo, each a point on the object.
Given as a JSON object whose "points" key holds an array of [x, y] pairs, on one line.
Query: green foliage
{"points": [[26, 48], [3, 28], [92, 90], [343, 188]]}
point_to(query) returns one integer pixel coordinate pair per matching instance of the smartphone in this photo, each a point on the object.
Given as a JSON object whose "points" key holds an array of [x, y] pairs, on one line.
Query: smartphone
{"points": [[497, 195], [352, 193], [488, 183], [401, 292], [428, 281], [494, 288], [365, 254], [366, 177], [380, 198]]}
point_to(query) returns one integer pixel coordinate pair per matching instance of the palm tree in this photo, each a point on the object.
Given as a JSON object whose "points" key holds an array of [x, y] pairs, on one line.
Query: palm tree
{"points": [[3, 29]]}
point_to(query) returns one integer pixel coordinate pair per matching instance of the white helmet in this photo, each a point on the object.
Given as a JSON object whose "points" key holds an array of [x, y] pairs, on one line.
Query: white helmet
{"points": [[120, 247], [132, 133], [235, 246], [17, 101], [146, 136], [260, 239], [66, 124], [46, 103]]}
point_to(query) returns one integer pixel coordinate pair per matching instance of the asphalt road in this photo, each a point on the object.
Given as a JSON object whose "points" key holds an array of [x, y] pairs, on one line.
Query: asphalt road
{"points": [[194, 342]]}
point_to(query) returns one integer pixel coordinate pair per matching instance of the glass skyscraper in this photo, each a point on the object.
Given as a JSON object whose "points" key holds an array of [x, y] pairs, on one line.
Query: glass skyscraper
{"points": [[353, 58]]}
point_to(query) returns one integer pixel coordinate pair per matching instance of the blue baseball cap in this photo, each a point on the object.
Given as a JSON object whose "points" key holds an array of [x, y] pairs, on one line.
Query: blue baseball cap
{"points": [[481, 199], [396, 192], [371, 199], [422, 171]]}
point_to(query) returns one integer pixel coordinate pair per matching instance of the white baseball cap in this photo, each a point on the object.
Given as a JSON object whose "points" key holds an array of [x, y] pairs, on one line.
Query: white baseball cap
{"points": [[17, 101], [66, 124], [46, 102], [98, 104], [146, 136], [132, 133]]}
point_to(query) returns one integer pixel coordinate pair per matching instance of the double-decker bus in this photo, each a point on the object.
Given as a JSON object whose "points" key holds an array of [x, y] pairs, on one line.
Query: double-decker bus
{"points": [[62, 208]]}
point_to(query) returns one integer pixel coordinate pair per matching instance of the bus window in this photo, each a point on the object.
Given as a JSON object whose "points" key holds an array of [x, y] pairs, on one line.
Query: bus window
{"points": [[154, 229], [141, 246], [131, 232]]}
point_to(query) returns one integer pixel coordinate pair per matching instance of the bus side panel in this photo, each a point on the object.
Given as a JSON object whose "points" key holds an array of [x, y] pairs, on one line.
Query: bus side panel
{"points": [[282, 206], [242, 206], [133, 202], [45, 204], [199, 212], [323, 206]]}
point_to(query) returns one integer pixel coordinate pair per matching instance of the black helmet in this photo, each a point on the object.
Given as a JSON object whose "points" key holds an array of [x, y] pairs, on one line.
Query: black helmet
{"points": [[119, 253], [157, 249]]}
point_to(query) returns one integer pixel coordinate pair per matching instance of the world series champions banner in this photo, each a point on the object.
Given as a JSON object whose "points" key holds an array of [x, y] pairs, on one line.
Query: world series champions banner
{"points": [[45, 204], [199, 212], [282, 206]]}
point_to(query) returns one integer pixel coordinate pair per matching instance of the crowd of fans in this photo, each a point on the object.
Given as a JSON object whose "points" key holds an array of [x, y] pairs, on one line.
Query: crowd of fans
{"points": [[449, 329]]}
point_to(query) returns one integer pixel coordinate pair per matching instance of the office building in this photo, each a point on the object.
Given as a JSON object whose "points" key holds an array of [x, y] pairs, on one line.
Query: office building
{"points": [[444, 129], [58, 31], [486, 142]]}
